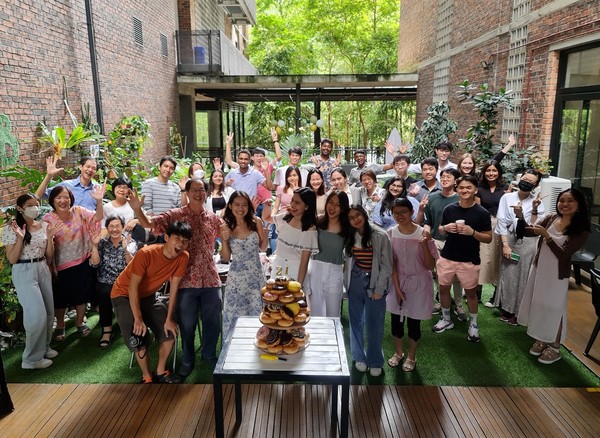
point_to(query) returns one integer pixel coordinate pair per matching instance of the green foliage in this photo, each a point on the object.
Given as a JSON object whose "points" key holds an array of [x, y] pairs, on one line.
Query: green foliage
{"points": [[487, 103], [27, 176], [124, 147], [435, 128], [58, 140], [8, 296]]}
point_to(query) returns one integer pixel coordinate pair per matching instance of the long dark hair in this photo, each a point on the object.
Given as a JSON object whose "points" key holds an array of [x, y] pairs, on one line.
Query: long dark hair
{"points": [[580, 221], [309, 217], [229, 218], [321, 190], [20, 219], [211, 184], [288, 172], [323, 220], [365, 241], [388, 199], [483, 182]]}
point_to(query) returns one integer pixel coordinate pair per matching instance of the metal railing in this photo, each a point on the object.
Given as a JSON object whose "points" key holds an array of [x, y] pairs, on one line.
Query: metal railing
{"points": [[210, 52]]}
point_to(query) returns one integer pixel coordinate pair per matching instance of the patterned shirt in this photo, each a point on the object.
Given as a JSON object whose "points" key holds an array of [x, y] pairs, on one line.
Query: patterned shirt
{"points": [[73, 244], [326, 167], [36, 247], [112, 261], [201, 271]]}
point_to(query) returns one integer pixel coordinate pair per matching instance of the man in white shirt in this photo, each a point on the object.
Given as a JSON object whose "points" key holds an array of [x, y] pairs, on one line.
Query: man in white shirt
{"points": [[442, 150]]}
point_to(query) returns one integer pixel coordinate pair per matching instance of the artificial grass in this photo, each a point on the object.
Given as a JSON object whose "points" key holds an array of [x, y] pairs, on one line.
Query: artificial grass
{"points": [[501, 359]]}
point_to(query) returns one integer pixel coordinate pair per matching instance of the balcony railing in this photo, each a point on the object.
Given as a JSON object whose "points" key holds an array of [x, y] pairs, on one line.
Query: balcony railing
{"points": [[210, 52]]}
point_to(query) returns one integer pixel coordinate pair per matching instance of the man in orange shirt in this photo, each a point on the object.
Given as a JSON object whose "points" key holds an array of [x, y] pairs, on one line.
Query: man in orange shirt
{"points": [[136, 307]]}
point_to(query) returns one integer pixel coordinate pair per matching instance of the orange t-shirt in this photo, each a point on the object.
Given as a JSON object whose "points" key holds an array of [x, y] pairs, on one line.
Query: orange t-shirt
{"points": [[154, 268]]}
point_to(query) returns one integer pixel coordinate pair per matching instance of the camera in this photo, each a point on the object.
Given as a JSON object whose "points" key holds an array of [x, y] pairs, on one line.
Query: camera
{"points": [[136, 342]]}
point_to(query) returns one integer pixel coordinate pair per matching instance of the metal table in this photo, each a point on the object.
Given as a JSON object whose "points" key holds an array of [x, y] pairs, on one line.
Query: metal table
{"points": [[323, 362]]}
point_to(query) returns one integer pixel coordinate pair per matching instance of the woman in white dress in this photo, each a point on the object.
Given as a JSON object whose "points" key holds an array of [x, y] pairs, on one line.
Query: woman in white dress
{"points": [[297, 239], [544, 306]]}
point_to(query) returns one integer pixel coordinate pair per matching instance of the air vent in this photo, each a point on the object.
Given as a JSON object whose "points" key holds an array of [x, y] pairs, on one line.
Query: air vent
{"points": [[138, 33], [164, 45]]}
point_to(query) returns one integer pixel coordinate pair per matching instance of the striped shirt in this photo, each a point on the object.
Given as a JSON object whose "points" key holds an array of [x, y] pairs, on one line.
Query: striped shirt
{"points": [[160, 197], [363, 257]]}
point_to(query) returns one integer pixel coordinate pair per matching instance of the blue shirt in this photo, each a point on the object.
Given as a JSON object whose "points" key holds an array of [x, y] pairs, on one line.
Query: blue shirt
{"points": [[246, 182], [82, 194]]}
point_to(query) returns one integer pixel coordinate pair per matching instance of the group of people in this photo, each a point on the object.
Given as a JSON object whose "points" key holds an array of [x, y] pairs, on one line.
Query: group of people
{"points": [[382, 246]]}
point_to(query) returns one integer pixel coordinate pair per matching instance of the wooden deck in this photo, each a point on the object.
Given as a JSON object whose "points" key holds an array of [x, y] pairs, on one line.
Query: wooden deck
{"points": [[300, 411]]}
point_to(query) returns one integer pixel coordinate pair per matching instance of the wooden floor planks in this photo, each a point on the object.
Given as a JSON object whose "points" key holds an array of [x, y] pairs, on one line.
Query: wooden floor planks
{"points": [[300, 411]]}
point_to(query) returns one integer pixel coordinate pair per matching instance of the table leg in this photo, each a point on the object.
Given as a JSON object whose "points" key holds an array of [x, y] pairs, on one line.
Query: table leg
{"points": [[218, 401], [334, 403], [238, 402], [344, 409]]}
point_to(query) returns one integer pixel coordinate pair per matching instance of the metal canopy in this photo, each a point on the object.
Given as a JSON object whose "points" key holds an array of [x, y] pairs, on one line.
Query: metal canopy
{"points": [[304, 87]]}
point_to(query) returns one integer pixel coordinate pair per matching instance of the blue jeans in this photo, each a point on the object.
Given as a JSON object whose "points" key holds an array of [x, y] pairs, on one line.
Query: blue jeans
{"points": [[365, 313], [208, 301]]}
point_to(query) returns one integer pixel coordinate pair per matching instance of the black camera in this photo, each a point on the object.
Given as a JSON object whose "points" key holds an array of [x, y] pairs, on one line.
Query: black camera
{"points": [[136, 342]]}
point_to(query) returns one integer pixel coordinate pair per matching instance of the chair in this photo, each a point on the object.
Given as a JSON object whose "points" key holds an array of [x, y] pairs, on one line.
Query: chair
{"points": [[595, 276], [587, 255]]}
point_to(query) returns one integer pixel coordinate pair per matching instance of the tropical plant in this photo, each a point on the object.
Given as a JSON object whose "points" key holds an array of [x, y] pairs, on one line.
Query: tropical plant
{"points": [[57, 137], [435, 128], [8, 296]]}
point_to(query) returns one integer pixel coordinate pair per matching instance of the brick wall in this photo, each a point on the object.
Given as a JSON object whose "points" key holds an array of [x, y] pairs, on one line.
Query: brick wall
{"points": [[471, 19], [43, 42]]}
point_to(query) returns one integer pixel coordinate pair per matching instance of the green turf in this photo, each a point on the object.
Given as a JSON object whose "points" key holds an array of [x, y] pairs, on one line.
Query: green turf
{"points": [[501, 359]]}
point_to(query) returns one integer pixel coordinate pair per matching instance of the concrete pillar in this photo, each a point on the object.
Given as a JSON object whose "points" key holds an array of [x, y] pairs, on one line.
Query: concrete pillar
{"points": [[187, 111]]}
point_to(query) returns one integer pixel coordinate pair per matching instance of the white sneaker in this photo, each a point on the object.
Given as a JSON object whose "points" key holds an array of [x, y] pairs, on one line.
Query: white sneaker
{"points": [[437, 308], [442, 325], [50, 353], [489, 304], [44, 363], [460, 312], [375, 372], [361, 366], [474, 333]]}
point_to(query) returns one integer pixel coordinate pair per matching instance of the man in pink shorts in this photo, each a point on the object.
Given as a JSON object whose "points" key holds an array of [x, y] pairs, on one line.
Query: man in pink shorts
{"points": [[465, 224]]}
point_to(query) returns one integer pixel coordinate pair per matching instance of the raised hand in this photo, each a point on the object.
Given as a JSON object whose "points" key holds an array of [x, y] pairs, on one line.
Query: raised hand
{"points": [[51, 168], [424, 202], [274, 135], [518, 209], [20, 232], [96, 237], [403, 148], [225, 232], [315, 160], [512, 140], [53, 229], [338, 160], [218, 165], [389, 146], [98, 192], [255, 202], [229, 138], [134, 200], [126, 241], [537, 201]]}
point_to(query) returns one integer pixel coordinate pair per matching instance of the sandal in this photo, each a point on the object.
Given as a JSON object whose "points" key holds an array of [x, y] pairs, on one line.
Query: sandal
{"points": [[395, 360], [59, 334], [550, 355], [84, 330], [409, 365], [105, 343]]}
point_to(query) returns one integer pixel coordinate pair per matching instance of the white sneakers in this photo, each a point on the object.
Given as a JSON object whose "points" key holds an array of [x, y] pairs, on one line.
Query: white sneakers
{"points": [[442, 325], [362, 367], [473, 335], [40, 364], [50, 353]]}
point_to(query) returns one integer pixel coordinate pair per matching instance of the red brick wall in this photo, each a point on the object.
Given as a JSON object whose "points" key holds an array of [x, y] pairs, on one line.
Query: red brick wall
{"points": [[473, 18], [43, 42]]}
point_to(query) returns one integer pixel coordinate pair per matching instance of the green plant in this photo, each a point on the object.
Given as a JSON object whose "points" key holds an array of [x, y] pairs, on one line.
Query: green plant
{"points": [[435, 128], [487, 103], [8, 296], [57, 137], [124, 147]]}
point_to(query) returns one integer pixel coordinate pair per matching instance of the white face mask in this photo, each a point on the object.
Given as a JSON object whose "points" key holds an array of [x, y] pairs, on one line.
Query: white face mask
{"points": [[198, 174], [31, 212]]}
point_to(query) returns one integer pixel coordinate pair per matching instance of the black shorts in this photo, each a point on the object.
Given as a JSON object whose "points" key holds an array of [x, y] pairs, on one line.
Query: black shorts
{"points": [[73, 286]]}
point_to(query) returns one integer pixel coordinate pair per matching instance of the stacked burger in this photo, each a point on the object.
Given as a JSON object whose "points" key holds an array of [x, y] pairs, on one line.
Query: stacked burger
{"points": [[284, 315]]}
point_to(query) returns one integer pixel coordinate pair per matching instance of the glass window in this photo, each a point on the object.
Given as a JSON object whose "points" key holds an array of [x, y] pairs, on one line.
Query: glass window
{"points": [[583, 68]]}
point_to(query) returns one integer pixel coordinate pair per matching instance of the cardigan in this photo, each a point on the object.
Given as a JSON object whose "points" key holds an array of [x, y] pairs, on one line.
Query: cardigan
{"points": [[563, 253]]}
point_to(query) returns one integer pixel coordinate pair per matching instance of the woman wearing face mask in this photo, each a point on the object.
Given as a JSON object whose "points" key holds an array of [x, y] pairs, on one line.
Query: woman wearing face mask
{"points": [[29, 243], [517, 251]]}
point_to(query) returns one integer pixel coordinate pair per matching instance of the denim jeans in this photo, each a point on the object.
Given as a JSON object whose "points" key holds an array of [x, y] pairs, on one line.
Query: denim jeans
{"points": [[189, 302], [367, 314]]}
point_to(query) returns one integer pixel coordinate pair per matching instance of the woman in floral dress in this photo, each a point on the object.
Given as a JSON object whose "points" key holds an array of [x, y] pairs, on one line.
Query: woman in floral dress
{"points": [[243, 238]]}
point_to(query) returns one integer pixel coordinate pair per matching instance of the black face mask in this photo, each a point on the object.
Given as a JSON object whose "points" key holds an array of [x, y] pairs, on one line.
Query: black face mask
{"points": [[526, 186]]}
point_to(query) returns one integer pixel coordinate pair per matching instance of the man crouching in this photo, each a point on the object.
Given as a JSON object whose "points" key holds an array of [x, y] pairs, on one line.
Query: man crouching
{"points": [[134, 300]]}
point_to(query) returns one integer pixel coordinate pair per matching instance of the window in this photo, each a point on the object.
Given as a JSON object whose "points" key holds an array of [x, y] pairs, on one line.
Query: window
{"points": [[138, 33]]}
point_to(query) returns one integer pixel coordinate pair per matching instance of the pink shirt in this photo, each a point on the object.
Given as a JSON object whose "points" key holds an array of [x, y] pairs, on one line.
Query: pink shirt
{"points": [[284, 199], [73, 244], [263, 192], [201, 271]]}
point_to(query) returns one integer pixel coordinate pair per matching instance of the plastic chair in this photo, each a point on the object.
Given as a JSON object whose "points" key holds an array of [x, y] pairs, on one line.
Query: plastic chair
{"points": [[587, 255], [595, 276]]}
